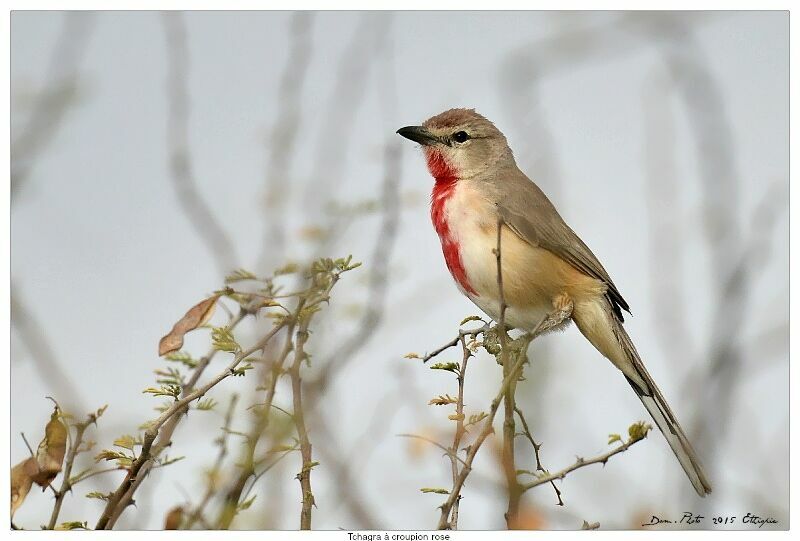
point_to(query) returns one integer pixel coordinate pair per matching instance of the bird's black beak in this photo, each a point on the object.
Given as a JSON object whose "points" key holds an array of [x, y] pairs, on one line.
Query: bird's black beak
{"points": [[418, 134]]}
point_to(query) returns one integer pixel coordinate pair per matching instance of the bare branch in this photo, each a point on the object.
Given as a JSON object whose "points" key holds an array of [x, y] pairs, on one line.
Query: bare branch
{"points": [[536, 447], [581, 463], [67, 482]]}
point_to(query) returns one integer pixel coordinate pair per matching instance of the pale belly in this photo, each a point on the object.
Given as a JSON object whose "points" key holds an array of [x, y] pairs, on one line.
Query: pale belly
{"points": [[532, 277]]}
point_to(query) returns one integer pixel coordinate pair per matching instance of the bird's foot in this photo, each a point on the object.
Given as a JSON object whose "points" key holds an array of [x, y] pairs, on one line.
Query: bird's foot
{"points": [[562, 311]]}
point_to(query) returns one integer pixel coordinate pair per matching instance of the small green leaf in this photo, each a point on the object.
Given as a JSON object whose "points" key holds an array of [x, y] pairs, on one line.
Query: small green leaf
{"points": [[240, 371], [98, 496], [223, 340], [126, 442], [206, 404], [442, 400], [450, 367], [289, 268], [74, 525], [246, 504], [476, 418], [614, 437], [639, 430], [173, 391], [166, 461], [109, 454], [181, 357], [434, 491], [240, 275], [470, 318]]}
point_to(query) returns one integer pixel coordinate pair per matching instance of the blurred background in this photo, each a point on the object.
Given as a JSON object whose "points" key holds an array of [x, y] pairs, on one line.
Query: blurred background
{"points": [[153, 153]]}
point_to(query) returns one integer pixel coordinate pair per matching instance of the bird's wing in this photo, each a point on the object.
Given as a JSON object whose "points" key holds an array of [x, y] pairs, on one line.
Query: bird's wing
{"points": [[530, 214]]}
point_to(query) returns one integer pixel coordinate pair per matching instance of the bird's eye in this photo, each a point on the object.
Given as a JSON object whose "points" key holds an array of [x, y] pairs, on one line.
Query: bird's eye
{"points": [[460, 136]]}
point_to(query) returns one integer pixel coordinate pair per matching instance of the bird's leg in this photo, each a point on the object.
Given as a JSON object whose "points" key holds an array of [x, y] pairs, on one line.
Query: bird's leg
{"points": [[562, 311]]}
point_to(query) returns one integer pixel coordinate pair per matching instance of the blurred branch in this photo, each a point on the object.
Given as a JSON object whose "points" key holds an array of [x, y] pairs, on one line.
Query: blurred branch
{"points": [[199, 214], [507, 353], [733, 259], [33, 335], [356, 61], [55, 98], [378, 276], [169, 419], [248, 464], [666, 222], [283, 138]]}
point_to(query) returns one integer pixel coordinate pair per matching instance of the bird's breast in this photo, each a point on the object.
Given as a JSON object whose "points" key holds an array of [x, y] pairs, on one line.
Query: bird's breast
{"points": [[466, 222]]}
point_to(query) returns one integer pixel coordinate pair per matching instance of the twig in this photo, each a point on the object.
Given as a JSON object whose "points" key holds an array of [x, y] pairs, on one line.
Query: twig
{"points": [[580, 463], [66, 482], [473, 449], [452, 343], [299, 420], [111, 510], [460, 429], [234, 494], [260, 474], [547, 323], [448, 451], [223, 452], [165, 434], [28, 445], [509, 402], [536, 447]]}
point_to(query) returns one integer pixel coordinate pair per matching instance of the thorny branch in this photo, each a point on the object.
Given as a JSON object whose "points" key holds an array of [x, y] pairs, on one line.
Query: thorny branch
{"points": [[165, 435], [213, 475], [536, 446], [247, 467], [67, 481], [511, 375], [113, 508], [582, 462], [509, 402], [299, 420]]}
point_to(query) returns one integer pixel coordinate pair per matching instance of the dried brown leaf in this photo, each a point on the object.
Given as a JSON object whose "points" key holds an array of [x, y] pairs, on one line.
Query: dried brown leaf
{"points": [[21, 482], [197, 315], [50, 455], [174, 518]]}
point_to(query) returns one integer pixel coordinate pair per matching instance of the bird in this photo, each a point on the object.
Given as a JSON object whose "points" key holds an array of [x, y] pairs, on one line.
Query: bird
{"points": [[479, 188]]}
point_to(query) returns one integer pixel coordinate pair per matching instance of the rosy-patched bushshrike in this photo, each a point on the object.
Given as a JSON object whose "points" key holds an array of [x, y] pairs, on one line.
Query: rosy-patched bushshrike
{"points": [[545, 265]]}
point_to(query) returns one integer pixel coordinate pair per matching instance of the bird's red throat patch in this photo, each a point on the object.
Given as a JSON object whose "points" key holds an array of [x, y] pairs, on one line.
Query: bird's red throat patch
{"points": [[446, 180]]}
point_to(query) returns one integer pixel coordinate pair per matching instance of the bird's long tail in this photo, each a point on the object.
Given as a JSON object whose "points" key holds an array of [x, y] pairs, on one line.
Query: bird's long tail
{"points": [[659, 409], [601, 327]]}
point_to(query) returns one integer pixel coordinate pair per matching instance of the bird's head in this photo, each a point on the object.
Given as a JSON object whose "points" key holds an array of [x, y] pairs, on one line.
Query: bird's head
{"points": [[460, 141]]}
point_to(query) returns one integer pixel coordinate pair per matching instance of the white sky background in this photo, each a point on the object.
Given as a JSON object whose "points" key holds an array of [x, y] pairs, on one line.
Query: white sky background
{"points": [[106, 261]]}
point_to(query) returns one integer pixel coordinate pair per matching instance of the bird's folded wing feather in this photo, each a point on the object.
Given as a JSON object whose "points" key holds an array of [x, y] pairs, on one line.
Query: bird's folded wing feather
{"points": [[531, 215]]}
